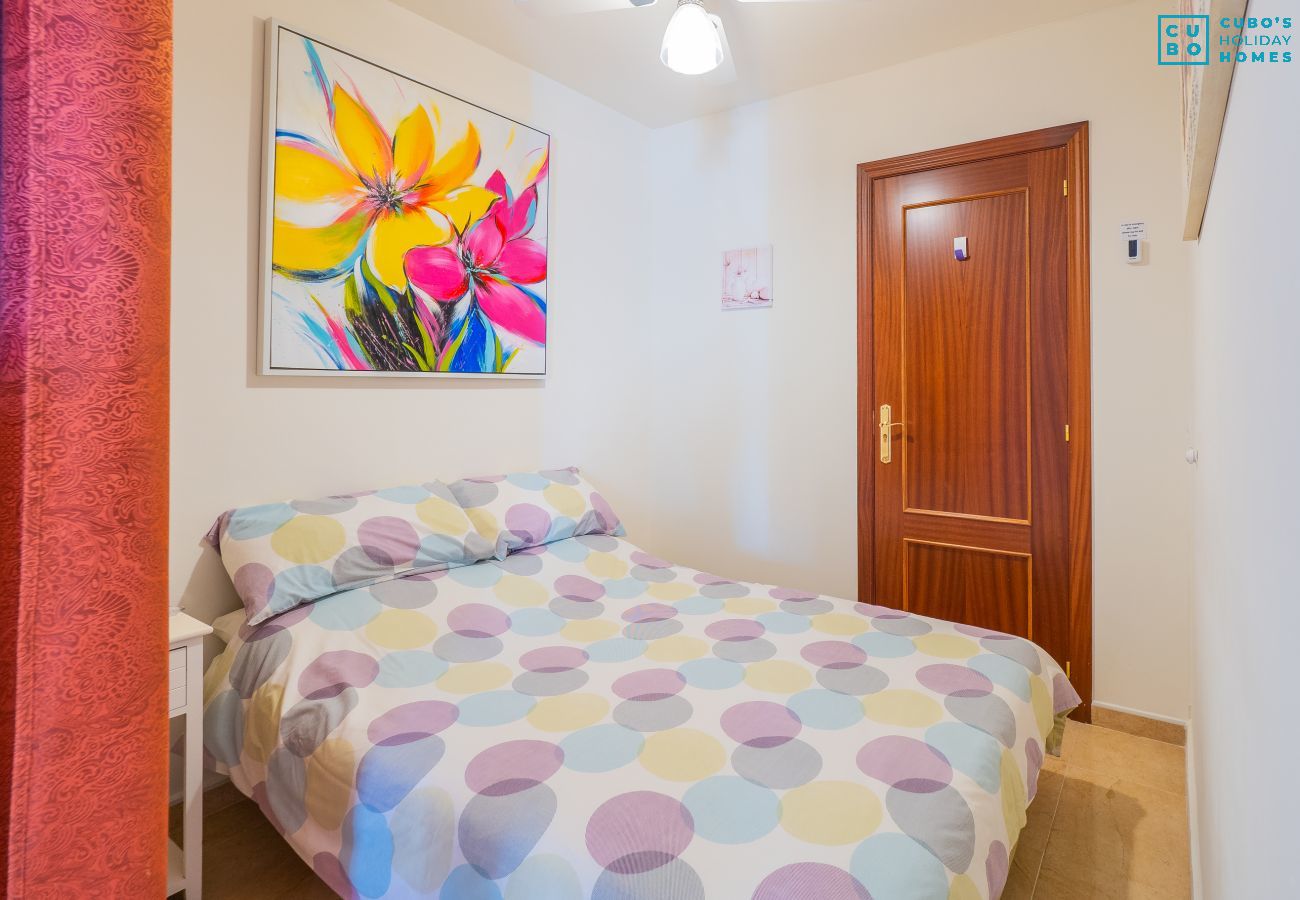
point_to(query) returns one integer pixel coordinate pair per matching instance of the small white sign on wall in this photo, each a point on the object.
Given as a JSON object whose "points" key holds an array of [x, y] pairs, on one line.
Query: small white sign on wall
{"points": [[1133, 231]]}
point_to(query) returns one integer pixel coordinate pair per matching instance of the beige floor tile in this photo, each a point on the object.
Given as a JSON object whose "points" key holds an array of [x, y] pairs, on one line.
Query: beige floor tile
{"points": [[1115, 837], [1032, 843], [1142, 760]]}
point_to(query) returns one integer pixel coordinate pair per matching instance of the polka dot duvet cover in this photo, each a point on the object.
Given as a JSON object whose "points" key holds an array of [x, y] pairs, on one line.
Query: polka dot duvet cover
{"points": [[582, 719]]}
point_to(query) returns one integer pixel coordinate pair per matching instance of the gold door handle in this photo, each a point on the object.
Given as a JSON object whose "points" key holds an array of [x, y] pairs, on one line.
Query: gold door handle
{"points": [[887, 426]]}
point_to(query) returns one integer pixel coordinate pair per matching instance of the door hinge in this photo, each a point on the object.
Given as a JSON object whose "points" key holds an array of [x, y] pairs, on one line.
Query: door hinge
{"points": [[1065, 187], [1067, 432], [1067, 670]]}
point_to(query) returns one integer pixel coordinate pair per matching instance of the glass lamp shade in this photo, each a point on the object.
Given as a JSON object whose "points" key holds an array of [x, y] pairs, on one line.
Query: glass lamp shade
{"points": [[691, 43]]}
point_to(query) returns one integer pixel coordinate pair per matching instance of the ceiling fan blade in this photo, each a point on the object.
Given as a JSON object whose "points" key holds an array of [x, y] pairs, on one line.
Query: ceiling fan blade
{"points": [[569, 7]]}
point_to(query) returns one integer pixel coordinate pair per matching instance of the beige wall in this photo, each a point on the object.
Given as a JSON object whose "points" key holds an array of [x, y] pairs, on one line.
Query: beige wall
{"points": [[1246, 595], [756, 462], [240, 438]]}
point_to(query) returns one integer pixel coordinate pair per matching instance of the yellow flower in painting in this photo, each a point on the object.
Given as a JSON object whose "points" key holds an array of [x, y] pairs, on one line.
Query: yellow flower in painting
{"points": [[378, 195]]}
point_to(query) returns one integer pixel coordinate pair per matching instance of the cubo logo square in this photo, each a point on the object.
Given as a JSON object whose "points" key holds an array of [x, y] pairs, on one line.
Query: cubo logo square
{"points": [[1183, 40]]}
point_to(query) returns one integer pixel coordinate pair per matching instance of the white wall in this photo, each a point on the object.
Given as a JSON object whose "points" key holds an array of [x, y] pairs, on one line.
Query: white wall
{"points": [[1247, 494], [240, 438], [755, 462], [726, 441]]}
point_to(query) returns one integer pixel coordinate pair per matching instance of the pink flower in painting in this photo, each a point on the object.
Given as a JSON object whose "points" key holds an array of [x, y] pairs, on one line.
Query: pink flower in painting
{"points": [[490, 263]]}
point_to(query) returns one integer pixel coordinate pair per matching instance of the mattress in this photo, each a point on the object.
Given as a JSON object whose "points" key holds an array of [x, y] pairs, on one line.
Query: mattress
{"points": [[583, 719]]}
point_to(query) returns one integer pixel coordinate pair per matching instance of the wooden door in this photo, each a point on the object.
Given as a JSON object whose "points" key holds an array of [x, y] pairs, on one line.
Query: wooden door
{"points": [[965, 413]]}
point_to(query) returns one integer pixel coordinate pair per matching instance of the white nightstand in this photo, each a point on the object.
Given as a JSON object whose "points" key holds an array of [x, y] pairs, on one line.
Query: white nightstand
{"points": [[185, 634]]}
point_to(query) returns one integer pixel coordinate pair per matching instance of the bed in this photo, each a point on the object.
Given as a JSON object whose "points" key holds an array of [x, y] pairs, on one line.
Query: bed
{"points": [[582, 719]]}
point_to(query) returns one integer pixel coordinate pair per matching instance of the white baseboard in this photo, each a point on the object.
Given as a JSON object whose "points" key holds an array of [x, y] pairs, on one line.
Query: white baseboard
{"points": [[1194, 836], [1115, 707]]}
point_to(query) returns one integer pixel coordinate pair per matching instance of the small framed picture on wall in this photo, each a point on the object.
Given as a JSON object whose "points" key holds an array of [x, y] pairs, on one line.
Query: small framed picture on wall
{"points": [[747, 278]]}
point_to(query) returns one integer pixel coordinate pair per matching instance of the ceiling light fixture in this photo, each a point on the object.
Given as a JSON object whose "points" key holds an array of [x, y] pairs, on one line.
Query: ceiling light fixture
{"points": [[692, 45]]}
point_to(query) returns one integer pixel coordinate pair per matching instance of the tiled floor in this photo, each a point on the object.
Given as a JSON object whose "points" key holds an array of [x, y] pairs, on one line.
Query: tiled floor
{"points": [[1109, 822]]}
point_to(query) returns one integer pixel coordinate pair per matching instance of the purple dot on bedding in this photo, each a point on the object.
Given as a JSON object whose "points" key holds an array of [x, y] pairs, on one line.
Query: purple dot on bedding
{"points": [[954, 681], [780, 593], [996, 867], [553, 659], [978, 632], [332, 673], [604, 512], [527, 522], [478, 620], [735, 630], [276, 624], [512, 767], [650, 612], [576, 587], [706, 578], [254, 583], [809, 879], [412, 721], [834, 654], [761, 723], [905, 763], [642, 558], [388, 540], [650, 684], [871, 609], [328, 868], [638, 832], [1034, 758]]}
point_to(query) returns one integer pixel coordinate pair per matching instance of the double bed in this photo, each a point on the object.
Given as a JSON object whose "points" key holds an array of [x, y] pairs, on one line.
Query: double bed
{"points": [[578, 718]]}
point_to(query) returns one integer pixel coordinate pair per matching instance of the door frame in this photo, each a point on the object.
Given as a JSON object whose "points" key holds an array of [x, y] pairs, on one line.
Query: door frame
{"points": [[1074, 138]]}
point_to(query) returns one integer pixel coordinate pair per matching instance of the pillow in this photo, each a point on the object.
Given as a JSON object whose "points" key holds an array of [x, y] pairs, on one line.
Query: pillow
{"points": [[529, 509], [282, 555]]}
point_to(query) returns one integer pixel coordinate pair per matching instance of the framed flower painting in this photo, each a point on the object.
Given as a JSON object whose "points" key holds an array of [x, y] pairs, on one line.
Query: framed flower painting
{"points": [[404, 229]]}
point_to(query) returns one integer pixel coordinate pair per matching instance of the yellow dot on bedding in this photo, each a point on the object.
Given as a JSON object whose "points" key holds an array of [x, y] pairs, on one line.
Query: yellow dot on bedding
{"points": [[839, 623], [962, 888], [568, 712], [1014, 798], [308, 539], [748, 606], [682, 754], [606, 565], [443, 516], [329, 782], [585, 631], [946, 646], [1041, 701], [474, 678], [565, 499], [777, 676], [401, 629], [910, 709], [830, 812], [484, 522], [263, 731], [671, 591], [677, 648], [519, 591]]}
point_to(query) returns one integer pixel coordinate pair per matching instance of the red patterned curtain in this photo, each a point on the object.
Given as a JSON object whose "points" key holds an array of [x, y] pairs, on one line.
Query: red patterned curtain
{"points": [[85, 135]]}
